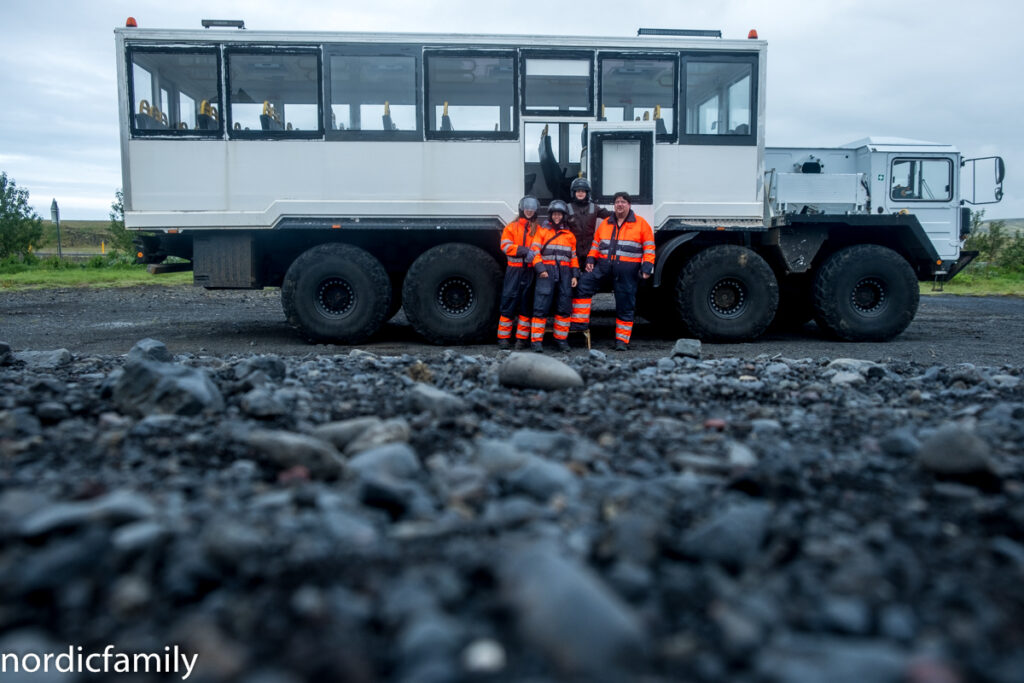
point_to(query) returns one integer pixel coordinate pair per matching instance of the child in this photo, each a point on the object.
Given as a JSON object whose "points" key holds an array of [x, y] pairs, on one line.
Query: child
{"points": [[517, 292], [557, 273]]}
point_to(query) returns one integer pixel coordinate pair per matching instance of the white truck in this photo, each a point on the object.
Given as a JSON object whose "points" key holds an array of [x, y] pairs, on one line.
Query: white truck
{"points": [[367, 172]]}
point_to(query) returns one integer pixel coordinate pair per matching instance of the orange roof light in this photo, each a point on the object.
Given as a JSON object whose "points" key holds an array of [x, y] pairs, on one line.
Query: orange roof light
{"points": [[131, 23], [752, 35]]}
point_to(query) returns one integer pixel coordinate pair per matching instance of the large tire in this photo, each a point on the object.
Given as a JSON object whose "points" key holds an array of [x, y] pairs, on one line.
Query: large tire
{"points": [[727, 293], [450, 294], [865, 293], [336, 293]]}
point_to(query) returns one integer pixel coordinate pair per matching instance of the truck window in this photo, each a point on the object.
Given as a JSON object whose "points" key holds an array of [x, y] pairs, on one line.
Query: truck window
{"points": [[374, 93], [471, 95], [921, 180], [718, 98], [557, 84], [640, 88], [274, 94], [174, 92]]}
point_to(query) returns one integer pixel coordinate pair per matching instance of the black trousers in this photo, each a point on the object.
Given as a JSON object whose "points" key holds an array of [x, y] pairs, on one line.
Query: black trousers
{"points": [[517, 292], [624, 279]]}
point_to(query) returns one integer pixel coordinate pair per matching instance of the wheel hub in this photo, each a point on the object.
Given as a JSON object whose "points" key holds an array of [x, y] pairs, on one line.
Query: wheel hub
{"points": [[728, 298], [868, 296], [335, 297], [455, 296]]}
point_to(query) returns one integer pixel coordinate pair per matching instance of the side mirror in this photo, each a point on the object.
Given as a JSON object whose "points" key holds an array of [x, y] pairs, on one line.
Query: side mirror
{"points": [[978, 185], [1000, 170]]}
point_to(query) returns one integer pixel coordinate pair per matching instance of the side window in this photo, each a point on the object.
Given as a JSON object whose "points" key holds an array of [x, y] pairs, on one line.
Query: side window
{"points": [[921, 180], [639, 88], [471, 95], [274, 94], [719, 101], [374, 94], [556, 83], [174, 92]]}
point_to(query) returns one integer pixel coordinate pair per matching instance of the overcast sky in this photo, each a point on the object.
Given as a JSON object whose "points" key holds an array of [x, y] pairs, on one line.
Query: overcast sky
{"points": [[838, 70]]}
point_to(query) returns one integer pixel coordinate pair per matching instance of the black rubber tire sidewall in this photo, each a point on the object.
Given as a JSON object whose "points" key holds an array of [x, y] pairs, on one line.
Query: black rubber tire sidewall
{"points": [[442, 263], [839, 275], [364, 274], [710, 266]]}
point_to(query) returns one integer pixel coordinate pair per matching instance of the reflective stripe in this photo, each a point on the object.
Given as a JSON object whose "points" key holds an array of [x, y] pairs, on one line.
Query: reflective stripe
{"points": [[623, 330], [537, 330], [523, 328]]}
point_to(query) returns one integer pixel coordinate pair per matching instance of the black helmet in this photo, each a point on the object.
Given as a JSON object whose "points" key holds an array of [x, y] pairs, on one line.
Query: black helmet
{"points": [[528, 203], [558, 205], [580, 184]]}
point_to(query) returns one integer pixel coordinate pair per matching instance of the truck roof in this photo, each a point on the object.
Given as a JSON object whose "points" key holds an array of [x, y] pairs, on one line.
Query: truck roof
{"points": [[893, 144]]}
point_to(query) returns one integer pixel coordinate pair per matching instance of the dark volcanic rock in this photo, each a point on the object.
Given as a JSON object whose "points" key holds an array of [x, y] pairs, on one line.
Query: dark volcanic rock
{"points": [[148, 387]]}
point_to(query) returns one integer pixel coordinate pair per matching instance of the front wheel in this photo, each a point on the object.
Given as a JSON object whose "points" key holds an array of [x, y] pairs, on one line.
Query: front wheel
{"points": [[865, 292], [451, 292], [336, 293], [727, 293]]}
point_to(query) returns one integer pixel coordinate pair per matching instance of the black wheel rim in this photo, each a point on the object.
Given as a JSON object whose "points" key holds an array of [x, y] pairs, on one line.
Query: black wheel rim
{"points": [[869, 296], [335, 297], [455, 297], [728, 298]]}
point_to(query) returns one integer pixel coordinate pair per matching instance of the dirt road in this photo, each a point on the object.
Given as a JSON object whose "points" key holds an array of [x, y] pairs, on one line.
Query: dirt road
{"points": [[947, 329]]}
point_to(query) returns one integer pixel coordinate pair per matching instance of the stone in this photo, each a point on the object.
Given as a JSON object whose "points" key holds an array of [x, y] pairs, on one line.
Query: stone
{"points": [[847, 378], [270, 365], [810, 659], [732, 536], [687, 348], [52, 412], [900, 442], [117, 507], [537, 371], [261, 403], [150, 349], [441, 404], [287, 449], [44, 360], [484, 656], [740, 455], [341, 434], [566, 611], [147, 387], [499, 457], [6, 355], [396, 430], [542, 479], [955, 450], [396, 460]]}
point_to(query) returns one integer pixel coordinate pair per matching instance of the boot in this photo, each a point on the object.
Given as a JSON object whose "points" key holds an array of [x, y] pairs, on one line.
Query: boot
{"points": [[621, 346], [563, 346], [537, 347], [504, 344], [520, 345]]}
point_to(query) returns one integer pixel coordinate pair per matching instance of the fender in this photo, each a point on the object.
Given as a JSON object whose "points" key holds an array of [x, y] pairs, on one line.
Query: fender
{"points": [[665, 252]]}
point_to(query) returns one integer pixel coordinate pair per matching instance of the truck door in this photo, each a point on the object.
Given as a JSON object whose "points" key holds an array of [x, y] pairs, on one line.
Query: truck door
{"points": [[620, 157], [926, 187]]}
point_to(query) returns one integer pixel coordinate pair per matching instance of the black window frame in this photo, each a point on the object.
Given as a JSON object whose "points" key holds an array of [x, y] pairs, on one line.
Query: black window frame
{"points": [[748, 140], [135, 131], [578, 55], [247, 49], [901, 200], [669, 56], [375, 50], [596, 152], [430, 134]]}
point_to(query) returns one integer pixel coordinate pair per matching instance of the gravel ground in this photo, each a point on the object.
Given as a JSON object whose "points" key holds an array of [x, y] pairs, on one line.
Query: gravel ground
{"points": [[404, 512], [947, 329]]}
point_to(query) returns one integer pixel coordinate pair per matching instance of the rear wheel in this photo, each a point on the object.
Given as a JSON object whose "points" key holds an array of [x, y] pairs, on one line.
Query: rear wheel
{"points": [[865, 293], [451, 292], [336, 293], [727, 293]]}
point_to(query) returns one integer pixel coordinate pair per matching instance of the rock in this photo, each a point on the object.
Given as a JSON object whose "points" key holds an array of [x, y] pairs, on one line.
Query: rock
{"points": [[740, 455], [954, 450], [341, 434], [6, 355], [441, 404], [499, 457], [52, 412], [150, 349], [483, 656], [387, 432], [392, 460], [566, 611], [270, 365], [44, 360], [811, 659], [541, 479], [148, 387], [854, 365], [731, 536], [261, 403], [900, 442], [114, 508], [536, 371], [287, 449], [848, 378], [686, 348]]}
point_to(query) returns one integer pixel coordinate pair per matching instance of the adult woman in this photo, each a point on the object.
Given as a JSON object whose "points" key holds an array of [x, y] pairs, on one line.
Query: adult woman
{"points": [[517, 292], [557, 274]]}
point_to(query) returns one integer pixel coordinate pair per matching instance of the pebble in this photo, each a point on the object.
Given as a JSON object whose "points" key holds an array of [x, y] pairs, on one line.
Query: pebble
{"points": [[536, 371], [955, 450]]}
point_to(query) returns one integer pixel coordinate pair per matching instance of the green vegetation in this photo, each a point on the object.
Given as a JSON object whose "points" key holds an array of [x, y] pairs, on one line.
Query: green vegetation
{"points": [[999, 267], [20, 226], [109, 270]]}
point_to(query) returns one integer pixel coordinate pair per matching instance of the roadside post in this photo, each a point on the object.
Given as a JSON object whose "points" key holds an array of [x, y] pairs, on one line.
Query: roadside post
{"points": [[55, 215]]}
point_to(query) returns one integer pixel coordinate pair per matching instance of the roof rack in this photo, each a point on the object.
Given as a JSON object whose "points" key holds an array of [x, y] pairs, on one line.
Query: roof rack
{"points": [[223, 23]]}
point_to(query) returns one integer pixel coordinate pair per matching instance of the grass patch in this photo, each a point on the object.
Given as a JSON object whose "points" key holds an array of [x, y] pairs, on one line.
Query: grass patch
{"points": [[982, 280], [99, 271]]}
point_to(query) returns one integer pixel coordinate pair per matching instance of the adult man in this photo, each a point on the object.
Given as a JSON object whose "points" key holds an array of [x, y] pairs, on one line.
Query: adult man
{"points": [[583, 217], [622, 252], [517, 290]]}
